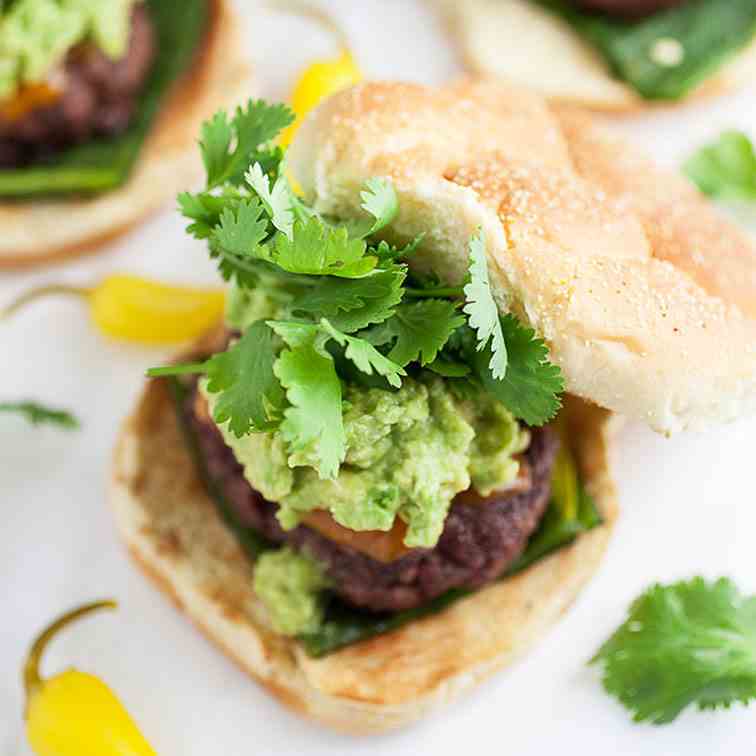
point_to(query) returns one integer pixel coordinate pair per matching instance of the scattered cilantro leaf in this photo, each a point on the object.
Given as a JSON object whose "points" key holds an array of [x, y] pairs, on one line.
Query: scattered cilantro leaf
{"points": [[380, 201], [277, 201], [354, 304], [38, 414], [204, 210], [482, 310], [531, 388], [313, 423], [419, 330], [365, 356], [228, 147], [688, 642], [726, 168], [319, 249]]}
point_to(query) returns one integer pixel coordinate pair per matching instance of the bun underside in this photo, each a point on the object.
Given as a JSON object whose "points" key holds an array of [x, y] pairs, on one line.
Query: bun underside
{"points": [[527, 44], [173, 532], [645, 294], [37, 231]]}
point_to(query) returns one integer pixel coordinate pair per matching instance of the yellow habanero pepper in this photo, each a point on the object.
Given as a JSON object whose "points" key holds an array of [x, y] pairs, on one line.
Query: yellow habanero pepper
{"points": [[74, 713], [323, 77], [130, 308]]}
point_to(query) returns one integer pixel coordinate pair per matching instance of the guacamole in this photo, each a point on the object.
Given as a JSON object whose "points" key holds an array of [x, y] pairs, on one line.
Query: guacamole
{"points": [[35, 36], [290, 585], [408, 453]]}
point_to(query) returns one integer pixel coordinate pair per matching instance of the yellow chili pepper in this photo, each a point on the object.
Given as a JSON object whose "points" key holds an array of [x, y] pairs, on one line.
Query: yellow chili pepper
{"points": [[130, 308], [75, 713], [323, 77]]}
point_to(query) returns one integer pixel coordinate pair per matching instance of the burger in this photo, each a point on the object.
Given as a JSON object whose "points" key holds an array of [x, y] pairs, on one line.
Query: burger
{"points": [[100, 104], [610, 54], [385, 475]]}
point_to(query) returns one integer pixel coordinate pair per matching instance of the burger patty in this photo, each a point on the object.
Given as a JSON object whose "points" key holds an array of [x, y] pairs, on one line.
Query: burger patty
{"points": [[479, 541], [98, 99], [627, 8]]}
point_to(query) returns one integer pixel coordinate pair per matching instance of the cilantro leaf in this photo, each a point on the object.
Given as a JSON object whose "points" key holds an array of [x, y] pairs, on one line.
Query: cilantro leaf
{"points": [[482, 309], [204, 210], [242, 232], [365, 356], [313, 425], [380, 201], [277, 201], [725, 168], [420, 330], [322, 250], [353, 304], [531, 387], [250, 397], [388, 253], [449, 368], [38, 414], [228, 147], [688, 642]]}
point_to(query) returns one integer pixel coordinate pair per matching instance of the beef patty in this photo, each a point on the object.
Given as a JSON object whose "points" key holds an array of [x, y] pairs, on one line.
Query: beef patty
{"points": [[627, 8], [479, 541], [98, 99]]}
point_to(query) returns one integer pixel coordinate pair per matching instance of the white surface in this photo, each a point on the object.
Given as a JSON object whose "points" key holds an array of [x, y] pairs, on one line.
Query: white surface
{"points": [[688, 503]]}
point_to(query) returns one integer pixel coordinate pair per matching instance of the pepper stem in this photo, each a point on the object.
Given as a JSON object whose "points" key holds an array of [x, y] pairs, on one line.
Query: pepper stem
{"points": [[304, 9], [42, 291], [32, 679]]}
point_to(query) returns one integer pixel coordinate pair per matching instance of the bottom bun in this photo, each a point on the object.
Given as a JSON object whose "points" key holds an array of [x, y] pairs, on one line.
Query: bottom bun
{"points": [[39, 230], [521, 41], [173, 532]]}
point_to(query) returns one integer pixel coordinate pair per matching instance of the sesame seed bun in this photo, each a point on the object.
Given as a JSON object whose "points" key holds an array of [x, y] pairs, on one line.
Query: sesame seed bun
{"points": [[535, 48], [644, 293], [38, 231]]}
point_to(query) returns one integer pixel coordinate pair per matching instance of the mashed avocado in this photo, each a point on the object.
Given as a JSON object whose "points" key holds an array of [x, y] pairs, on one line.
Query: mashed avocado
{"points": [[35, 36], [408, 453], [290, 585]]}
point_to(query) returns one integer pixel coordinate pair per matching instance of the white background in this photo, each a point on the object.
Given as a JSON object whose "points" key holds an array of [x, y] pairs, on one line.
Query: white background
{"points": [[688, 503]]}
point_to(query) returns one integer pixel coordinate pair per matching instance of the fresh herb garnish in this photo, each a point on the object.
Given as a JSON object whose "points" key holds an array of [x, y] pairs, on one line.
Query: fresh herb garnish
{"points": [[38, 414], [352, 306], [686, 643], [482, 309], [726, 168]]}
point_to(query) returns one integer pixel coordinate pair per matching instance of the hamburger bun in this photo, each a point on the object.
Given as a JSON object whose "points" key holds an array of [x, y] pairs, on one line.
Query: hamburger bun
{"points": [[522, 41], [173, 532], [37, 231], [645, 294]]}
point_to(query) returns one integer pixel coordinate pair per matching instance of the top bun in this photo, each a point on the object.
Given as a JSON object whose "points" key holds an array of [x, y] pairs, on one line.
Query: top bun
{"points": [[644, 293], [534, 47]]}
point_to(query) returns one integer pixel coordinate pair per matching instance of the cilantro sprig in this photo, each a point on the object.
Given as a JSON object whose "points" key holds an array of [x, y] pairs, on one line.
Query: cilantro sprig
{"points": [[351, 307], [39, 414], [691, 642]]}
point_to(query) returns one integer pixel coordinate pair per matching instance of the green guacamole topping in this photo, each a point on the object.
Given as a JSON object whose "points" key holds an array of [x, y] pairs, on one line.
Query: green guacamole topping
{"points": [[35, 36], [290, 585], [408, 453]]}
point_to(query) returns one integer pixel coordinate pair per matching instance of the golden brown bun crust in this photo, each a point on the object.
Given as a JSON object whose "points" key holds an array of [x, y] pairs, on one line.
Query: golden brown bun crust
{"points": [[527, 44], [173, 532], [644, 293], [42, 230]]}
